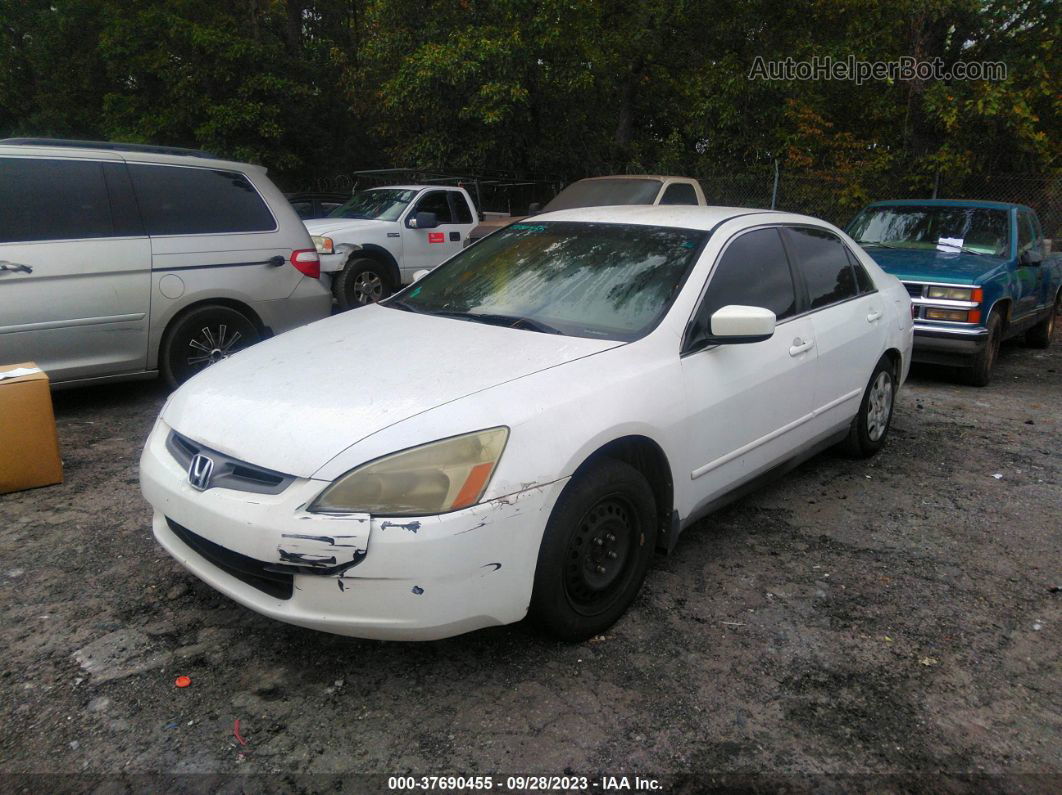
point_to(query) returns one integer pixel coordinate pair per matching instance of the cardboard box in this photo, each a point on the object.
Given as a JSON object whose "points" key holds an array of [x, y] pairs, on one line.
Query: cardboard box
{"points": [[29, 447]]}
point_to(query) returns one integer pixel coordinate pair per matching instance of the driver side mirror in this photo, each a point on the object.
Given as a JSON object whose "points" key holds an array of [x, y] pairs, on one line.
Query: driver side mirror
{"points": [[423, 220], [736, 324]]}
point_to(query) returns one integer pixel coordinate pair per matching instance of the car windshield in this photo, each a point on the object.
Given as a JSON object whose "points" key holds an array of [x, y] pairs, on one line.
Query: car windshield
{"points": [[604, 192], [976, 230], [378, 204], [610, 281]]}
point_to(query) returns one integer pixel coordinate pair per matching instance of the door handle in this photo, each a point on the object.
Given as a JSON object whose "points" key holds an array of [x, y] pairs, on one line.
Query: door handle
{"points": [[15, 267], [799, 346], [875, 314]]}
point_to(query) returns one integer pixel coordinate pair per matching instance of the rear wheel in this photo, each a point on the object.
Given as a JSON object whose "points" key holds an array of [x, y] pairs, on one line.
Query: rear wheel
{"points": [[201, 338], [362, 281], [595, 552], [871, 424], [980, 374], [1039, 336]]}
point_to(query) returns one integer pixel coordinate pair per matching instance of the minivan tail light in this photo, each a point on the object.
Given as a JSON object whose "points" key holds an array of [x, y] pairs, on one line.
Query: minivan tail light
{"points": [[307, 262]]}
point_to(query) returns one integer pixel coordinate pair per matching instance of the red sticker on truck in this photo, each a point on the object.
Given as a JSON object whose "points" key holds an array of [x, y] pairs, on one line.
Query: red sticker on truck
{"points": [[436, 237]]}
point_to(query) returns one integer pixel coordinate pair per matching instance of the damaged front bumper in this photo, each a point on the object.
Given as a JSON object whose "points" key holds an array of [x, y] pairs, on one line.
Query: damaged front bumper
{"points": [[402, 579]]}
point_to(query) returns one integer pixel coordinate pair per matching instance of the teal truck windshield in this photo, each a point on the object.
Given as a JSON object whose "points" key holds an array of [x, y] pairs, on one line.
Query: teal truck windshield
{"points": [[382, 204], [976, 230], [611, 281]]}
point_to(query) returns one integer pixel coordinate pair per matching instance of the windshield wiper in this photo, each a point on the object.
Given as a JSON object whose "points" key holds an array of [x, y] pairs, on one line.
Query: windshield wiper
{"points": [[510, 321]]}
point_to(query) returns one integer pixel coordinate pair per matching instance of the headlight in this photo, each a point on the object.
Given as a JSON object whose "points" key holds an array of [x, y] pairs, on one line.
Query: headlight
{"points": [[433, 478], [323, 244], [953, 293]]}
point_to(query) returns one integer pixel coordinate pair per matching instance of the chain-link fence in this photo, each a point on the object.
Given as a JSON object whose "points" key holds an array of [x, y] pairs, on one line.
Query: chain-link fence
{"points": [[833, 197]]}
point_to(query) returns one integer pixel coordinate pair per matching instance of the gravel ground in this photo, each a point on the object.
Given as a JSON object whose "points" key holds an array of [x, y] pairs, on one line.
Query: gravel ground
{"points": [[896, 621]]}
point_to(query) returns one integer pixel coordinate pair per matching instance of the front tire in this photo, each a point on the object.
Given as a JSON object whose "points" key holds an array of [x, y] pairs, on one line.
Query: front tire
{"points": [[596, 550], [362, 281], [201, 338], [980, 374], [871, 425]]}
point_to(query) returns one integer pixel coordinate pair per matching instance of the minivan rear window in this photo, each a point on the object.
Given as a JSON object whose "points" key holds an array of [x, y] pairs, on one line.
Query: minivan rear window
{"points": [[43, 199], [178, 200]]}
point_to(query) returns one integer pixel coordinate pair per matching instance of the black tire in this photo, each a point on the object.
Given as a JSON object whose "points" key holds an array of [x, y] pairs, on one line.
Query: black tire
{"points": [[202, 337], [596, 550], [980, 373], [362, 281], [1039, 336], [871, 425]]}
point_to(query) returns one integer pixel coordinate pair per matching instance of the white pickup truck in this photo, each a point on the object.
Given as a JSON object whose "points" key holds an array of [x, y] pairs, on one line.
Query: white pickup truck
{"points": [[377, 240]]}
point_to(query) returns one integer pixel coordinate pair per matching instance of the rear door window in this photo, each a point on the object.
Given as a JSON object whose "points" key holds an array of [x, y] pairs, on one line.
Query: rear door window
{"points": [[437, 202], [462, 213], [863, 280], [679, 193], [821, 258], [44, 199], [176, 200]]}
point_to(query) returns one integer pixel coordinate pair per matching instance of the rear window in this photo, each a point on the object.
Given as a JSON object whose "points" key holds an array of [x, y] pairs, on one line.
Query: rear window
{"points": [[175, 200], [603, 192], [42, 199]]}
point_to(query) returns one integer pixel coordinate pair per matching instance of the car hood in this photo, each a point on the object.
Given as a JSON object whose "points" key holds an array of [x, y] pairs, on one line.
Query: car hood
{"points": [[294, 402], [918, 265], [334, 226]]}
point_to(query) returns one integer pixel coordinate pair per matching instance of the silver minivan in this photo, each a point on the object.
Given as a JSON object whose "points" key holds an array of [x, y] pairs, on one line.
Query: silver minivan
{"points": [[123, 260]]}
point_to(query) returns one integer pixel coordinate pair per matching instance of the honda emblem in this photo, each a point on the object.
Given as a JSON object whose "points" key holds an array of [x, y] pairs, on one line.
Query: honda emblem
{"points": [[200, 470]]}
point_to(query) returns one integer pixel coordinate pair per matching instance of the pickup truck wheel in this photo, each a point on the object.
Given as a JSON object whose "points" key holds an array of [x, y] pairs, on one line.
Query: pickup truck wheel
{"points": [[362, 281], [595, 552], [980, 374], [201, 338], [871, 425], [1039, 336]]}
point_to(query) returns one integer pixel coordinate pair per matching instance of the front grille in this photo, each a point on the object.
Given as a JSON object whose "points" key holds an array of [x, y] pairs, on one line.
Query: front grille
{"points": [[914, 290], [255, 573], [229, 473]]}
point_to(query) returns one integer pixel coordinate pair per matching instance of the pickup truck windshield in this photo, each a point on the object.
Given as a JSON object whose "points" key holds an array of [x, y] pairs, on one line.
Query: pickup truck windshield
{"points": [[379, 204], [976, 230], [609, 281], [604, 192]]}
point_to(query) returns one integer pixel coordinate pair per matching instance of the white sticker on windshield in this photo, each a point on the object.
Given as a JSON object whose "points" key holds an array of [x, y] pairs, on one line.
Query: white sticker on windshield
{"points": [[949, 244]]}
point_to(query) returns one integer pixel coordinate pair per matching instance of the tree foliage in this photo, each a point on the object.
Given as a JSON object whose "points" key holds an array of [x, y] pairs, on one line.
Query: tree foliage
{"points": [[565, 87]]}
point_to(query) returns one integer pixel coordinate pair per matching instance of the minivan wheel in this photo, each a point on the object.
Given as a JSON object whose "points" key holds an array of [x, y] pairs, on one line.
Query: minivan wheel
{"points": [[595, 552], [361, 282], [871, 425], [202, 337]]}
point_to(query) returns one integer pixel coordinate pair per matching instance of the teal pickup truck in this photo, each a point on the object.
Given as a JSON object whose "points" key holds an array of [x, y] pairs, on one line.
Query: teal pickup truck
{"points": [[978, 273]]}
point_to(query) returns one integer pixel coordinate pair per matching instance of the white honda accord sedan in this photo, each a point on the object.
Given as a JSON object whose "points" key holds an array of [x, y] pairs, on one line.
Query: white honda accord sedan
{"points": [[518, 431]]}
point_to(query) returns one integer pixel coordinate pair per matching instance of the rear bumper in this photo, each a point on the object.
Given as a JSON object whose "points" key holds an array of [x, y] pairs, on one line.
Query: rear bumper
{"points": [[417, 578], [947, 345], [310, 300]]}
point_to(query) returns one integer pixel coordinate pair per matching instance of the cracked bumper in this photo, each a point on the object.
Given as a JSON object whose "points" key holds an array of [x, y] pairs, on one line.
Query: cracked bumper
{"points": [[416, 578]]}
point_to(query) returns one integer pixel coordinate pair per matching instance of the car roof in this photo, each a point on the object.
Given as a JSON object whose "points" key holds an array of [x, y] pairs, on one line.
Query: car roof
{"points": [[680, 216], [991, 205], [413, 187], [103, 151]]}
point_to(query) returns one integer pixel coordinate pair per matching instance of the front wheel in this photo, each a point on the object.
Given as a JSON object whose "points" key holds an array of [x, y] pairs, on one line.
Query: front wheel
{"points": [[871, 424], [595, 552], [361, 282], [201, 338], [980, 374]]}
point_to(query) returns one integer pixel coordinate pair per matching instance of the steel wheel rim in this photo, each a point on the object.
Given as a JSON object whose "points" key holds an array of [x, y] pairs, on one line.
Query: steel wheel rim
{"points": [[879, 407], [211, 345], [367, 288], [599, 556]]}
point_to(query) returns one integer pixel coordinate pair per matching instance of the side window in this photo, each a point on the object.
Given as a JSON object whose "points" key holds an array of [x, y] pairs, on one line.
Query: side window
{"points": [[679, 193], [1026, 233], [753, 271], [821, 258], [863, 280], [435, 202], [46, 199], [176, 200], [462, 213]]}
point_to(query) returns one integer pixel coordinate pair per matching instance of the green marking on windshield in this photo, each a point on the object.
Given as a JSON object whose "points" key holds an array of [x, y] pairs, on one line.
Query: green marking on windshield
{"points": [[530, 227], [415, 293]]}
